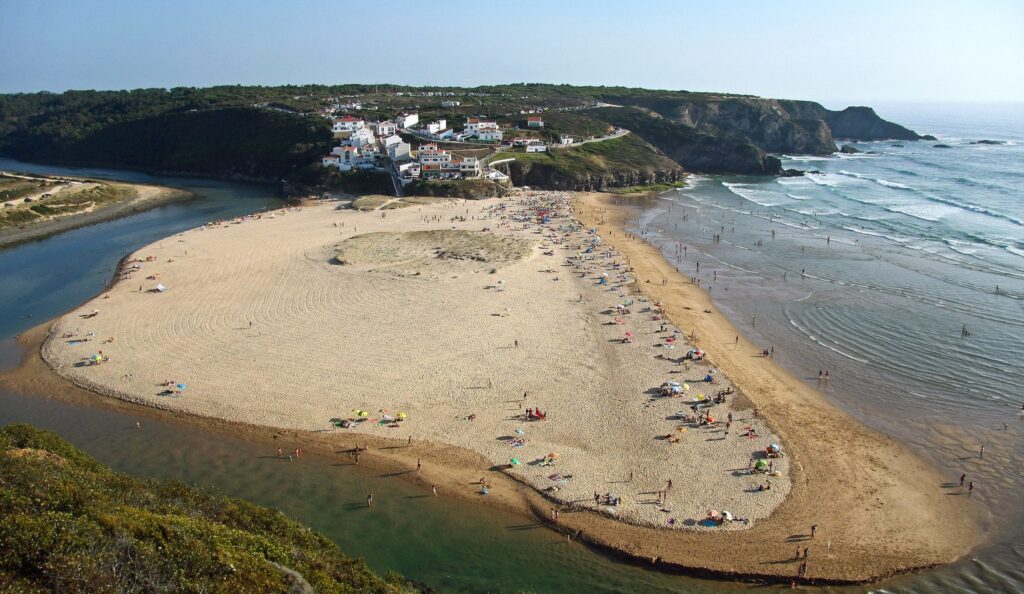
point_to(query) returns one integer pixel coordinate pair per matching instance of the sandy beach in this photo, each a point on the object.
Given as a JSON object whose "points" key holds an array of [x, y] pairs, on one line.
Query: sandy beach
{"points": [[460, 317]]}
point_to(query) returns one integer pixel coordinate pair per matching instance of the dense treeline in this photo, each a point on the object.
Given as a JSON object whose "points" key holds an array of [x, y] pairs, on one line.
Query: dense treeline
{"points": [[72, 525]]}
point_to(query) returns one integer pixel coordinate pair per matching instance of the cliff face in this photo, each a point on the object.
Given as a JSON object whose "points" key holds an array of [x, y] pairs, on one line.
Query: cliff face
{"points": [[695, 150], [771, 125]]}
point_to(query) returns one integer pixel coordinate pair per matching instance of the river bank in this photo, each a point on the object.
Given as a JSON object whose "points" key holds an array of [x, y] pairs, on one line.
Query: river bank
{"points": [[130, 199], [768, 547]]}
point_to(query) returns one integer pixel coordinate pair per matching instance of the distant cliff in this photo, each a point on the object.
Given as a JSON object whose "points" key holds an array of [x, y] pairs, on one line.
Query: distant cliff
{"points": [[771, 125]]}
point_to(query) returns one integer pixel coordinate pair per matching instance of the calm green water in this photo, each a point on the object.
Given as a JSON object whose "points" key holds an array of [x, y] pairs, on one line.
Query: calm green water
{"points": [[450, 546]]}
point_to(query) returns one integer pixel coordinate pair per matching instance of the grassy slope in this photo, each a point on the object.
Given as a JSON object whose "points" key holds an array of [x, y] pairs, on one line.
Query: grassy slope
{"points": [[70, 524], [597, 158]]}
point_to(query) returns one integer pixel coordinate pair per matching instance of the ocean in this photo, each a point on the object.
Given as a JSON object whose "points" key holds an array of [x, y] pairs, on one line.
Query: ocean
{"points": [[899, 271]]}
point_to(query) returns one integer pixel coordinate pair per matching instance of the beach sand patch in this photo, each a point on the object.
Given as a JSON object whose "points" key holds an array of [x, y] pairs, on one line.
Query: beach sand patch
{"points": [[432, 253]]}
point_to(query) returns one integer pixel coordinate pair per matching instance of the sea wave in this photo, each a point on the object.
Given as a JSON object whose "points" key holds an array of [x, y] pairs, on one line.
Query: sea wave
{"points": [[759, 197]]}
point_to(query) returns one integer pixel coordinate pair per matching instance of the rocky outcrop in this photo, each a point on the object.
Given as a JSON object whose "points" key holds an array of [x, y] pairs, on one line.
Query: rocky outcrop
{"points": [[862, 123], [543, 175], [849, 149]]}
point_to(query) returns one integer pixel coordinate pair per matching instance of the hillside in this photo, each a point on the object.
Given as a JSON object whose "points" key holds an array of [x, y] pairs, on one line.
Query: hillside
{"points": [[621, 162], [273, 132], [72, 525]]}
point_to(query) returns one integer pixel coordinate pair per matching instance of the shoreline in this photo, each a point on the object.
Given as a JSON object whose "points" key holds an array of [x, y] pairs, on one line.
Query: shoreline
{"points": [[145, 197], [717, 553]]}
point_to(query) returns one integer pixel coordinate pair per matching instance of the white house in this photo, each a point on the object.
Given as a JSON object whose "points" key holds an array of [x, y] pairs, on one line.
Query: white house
{"points": [[534, 122], [399, 151], [407, 120], [490, 135], [435, 127], [385, 128], [409, 169], [566, 139], [393, 139], [470, 167], [362, 137], [445, 134], [450, 103], [348, 124], [475, 125], [536, 148], [349, 157], [433, 156], [330, 160]]}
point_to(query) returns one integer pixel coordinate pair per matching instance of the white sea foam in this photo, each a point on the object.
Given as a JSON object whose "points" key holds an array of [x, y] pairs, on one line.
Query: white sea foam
{"points": [[759, 197]]}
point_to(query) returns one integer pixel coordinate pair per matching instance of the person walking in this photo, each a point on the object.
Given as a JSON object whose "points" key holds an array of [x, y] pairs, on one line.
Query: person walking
{"points": [[433, 488], [970, 488], [369, 500], [962, 477], [814, 528]]}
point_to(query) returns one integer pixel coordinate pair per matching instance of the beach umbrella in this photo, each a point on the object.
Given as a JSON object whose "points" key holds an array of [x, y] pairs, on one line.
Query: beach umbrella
{"points": [[401, 415], [181, 386], [629, 334], [553, 455], [761, 463], [775, 447], [727, 515], [520, 431], [686, 386], [514, 462], [362, 413], [713, 513]]}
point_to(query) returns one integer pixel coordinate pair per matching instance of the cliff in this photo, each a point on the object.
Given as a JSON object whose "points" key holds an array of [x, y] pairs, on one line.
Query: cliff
{"points": [[772, 125], [695, 150]]}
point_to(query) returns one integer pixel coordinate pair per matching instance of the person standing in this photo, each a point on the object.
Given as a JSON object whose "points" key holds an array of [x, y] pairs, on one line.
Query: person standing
{"points": [[369, 500], [962, 477], [814, 528], [970, 488]]}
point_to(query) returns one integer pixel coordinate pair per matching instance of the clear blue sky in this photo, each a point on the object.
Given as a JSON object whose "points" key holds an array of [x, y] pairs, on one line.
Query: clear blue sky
{"points": [[830, 51]]}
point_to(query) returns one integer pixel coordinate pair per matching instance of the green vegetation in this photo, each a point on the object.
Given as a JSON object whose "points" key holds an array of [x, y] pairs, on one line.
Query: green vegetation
{"points": [[71, 525], [628, 152], [64, 202], [13, 188], [314, 178], [463, 188], [649, 188]]}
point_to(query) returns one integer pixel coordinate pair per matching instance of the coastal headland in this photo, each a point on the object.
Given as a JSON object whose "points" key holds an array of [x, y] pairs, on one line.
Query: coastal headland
{"points": [[430, 330]]}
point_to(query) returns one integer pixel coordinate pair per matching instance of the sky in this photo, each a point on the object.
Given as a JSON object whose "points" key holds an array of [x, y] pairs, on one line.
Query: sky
{"points": [[829, 51]]}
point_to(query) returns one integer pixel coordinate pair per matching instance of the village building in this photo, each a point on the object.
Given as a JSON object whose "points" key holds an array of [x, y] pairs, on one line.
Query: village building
{"points": [[534, 122], [392, 139], [362, 137], [490, 135], [537, 148], [348, 124], [450, 103], [435, 127], [385, 128], [400, 150], [407, 120]]}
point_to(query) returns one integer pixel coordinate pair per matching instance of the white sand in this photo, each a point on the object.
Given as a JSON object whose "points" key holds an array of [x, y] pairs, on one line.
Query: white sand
{"points": [[327, 338]]}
